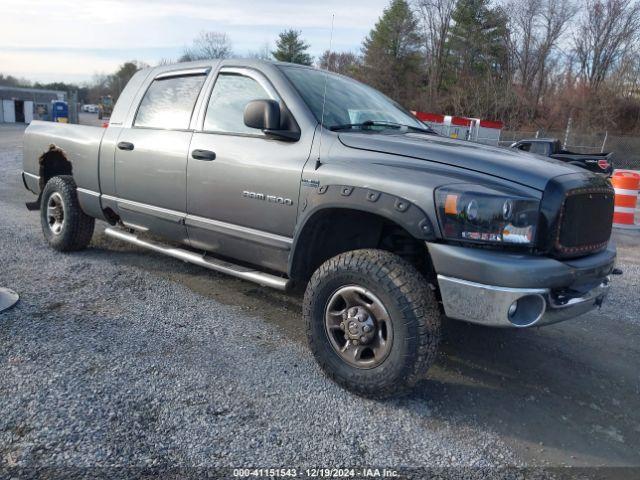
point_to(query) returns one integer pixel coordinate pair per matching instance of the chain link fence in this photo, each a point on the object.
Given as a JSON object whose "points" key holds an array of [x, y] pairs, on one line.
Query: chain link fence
{"points": [[625, 148]]}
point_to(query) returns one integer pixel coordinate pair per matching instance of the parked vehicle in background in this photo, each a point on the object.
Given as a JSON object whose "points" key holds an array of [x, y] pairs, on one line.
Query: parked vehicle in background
{"points": [[105, 106], [388, 226], [90, 108], [551, 147], [59, 111]]}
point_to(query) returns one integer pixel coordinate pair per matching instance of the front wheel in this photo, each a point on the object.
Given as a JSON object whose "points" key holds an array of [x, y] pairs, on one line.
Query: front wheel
{"points": [[372, 322]]}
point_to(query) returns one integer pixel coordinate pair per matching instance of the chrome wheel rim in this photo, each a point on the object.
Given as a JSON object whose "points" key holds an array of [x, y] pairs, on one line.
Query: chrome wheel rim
{"points": [[358, 326], [55, 213]]}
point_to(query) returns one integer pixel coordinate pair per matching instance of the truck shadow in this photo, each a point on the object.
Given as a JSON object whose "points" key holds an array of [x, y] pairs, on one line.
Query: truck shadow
{"points": [[556, 391], [559, 392]]}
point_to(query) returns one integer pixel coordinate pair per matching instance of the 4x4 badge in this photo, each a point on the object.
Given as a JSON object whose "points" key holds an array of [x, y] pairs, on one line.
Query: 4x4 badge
{"points": [[307, 182]]}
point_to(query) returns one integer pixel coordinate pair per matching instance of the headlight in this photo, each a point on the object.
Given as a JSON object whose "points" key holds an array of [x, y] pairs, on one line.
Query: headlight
{"points": [[474, 213]]}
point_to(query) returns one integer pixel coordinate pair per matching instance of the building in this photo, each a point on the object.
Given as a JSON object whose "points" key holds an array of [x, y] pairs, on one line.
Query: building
{"points": [[22, 105]]}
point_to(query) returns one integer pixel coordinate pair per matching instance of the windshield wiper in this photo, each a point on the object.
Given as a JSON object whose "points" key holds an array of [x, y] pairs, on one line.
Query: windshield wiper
{"points": [[368, 123], [381, 123]]}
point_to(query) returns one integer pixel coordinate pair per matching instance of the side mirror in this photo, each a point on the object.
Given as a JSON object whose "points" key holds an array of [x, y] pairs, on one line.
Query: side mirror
{"points": [[265, 115], [262, 114]]}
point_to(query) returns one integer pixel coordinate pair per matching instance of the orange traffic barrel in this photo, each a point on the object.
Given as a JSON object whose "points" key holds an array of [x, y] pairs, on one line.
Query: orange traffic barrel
{"points": [[626, 185]]}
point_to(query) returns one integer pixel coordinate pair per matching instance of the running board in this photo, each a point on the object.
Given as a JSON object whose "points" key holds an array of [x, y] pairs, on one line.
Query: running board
{"points": [[238, 271]]}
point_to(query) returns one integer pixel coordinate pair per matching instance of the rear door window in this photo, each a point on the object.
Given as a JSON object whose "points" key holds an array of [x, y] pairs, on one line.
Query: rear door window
{"points": [[168, 103]]}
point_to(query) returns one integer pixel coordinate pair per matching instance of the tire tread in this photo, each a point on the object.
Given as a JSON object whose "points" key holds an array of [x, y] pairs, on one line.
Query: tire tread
{"points": [[416, 302], [79, 226]]}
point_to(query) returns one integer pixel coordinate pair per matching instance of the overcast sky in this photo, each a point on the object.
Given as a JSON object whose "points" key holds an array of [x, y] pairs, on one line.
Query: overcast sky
{"points": [[72, 40]]}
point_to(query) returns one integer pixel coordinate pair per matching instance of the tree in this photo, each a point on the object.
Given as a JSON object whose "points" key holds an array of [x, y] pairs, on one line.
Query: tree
{"points": [[11, 81], [264, 53], [535, 28], [607, 32], [291, 48], [392, 61], [208, 45], [118, 80], [477, 41], [435, 18], [478, 77], [345, 63]]}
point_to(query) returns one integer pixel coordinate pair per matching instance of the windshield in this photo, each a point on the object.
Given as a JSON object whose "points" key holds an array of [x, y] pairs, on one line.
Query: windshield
{"points": [[348, 102]]}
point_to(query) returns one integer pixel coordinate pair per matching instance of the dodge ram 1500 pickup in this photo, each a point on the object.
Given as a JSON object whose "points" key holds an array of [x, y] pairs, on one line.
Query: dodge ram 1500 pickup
{"points": [[291, 176]]}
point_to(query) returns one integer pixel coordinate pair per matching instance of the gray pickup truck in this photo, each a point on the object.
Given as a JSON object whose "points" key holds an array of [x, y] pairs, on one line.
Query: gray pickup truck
{"points": [[242, 167]]}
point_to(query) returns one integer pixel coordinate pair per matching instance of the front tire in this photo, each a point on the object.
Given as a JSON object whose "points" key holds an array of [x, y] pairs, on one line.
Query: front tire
{"points": [[372, 322], [65, 226]]}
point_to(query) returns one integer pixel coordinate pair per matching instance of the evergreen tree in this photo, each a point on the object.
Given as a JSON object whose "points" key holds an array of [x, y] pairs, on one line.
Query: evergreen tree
{"points": [[291, 48], [477, 42], [392, 57]]}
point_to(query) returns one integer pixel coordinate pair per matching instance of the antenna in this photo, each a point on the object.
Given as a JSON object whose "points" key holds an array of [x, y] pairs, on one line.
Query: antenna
{"points": [[324, 95]]}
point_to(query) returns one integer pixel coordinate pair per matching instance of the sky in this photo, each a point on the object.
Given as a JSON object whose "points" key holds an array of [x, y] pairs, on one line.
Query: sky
{"points": [[73, 40]]}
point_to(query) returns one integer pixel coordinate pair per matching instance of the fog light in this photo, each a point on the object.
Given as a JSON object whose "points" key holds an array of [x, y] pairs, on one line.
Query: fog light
{"points": [[527, 310]]}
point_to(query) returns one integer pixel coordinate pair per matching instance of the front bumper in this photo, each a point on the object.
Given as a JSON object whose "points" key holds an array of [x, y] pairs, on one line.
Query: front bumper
{"points": [[515, 307], [511, 290]]}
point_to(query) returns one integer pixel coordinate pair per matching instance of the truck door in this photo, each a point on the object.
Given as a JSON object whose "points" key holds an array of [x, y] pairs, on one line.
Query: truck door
{"points": [[151, 156], [242, 187]]}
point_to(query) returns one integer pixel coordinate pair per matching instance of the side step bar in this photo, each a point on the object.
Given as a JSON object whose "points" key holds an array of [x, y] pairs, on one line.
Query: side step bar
{"points": [[238, 271]]}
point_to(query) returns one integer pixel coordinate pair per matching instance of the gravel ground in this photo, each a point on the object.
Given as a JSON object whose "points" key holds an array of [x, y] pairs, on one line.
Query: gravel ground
{"points": [[119, 357], [105, 364]]}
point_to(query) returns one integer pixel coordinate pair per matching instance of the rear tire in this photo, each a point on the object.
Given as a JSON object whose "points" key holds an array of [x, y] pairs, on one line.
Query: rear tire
{"points": [[65, 226], [382, 303]]}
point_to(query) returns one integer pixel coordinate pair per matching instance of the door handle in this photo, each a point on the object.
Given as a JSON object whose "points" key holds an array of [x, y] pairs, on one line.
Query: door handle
{"points": [[125, 146], [206, 155]]}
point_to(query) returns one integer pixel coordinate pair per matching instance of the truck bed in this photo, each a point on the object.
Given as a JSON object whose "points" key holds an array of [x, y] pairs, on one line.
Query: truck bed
{"points": [[582, 155], [80, 145]]}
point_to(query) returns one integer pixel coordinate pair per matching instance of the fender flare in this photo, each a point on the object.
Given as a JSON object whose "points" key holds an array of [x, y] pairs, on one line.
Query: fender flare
{"points": [[346, 197]]}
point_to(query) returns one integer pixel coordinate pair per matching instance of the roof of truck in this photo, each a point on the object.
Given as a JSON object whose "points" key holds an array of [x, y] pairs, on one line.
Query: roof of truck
{"points": [[214, 62]]}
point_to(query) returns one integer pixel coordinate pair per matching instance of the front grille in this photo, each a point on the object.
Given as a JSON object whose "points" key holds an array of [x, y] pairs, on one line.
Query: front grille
{"points": [[585, 221]]}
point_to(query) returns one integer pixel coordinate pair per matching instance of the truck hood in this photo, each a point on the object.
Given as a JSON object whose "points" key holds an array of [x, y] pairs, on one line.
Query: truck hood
{"points": [[512, 165]]}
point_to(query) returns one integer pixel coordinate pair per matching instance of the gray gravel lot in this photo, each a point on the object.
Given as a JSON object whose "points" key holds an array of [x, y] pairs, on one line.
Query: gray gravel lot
{"points": [[117, 356]]}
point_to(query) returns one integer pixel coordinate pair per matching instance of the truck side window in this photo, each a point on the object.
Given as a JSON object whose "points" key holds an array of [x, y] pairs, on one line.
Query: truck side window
{"points": [[540, 148], [169, 102], [231, 93], [524, 146]]}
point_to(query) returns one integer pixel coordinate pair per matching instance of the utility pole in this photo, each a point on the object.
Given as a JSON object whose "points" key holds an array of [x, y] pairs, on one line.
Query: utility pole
{"points": [[72, 104], [604, 142], [568, 131]]}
